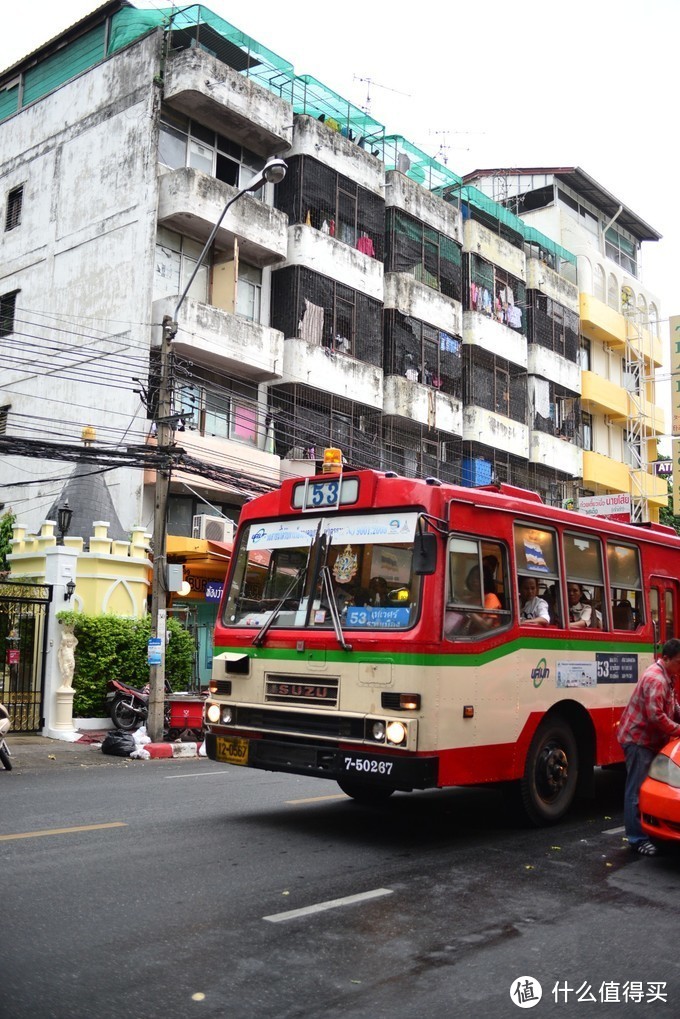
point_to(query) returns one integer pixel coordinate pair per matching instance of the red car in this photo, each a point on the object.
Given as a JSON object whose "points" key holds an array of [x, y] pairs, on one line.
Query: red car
{"points": [[660, 795]]}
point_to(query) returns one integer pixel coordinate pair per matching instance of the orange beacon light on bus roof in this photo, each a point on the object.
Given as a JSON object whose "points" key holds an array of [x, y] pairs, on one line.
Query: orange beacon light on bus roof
{"points": [[332, 461]]}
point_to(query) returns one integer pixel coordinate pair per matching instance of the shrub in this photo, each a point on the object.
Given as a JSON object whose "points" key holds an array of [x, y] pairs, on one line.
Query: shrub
{"points": [[114, 647]]}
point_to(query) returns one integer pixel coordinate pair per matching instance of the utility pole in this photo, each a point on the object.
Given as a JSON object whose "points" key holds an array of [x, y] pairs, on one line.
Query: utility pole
{"points": [[272, 172], [164, 436]]}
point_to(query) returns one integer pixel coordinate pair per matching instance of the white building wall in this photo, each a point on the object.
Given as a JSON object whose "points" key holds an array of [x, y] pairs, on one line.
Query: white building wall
{"points": [[82, 261]]}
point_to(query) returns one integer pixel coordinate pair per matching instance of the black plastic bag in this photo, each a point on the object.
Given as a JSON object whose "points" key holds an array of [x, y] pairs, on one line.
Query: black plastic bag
{"points": [[119, 743]]}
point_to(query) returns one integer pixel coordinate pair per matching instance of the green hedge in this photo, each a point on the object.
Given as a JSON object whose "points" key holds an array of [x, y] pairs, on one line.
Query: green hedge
{"points": [[113, 647]]}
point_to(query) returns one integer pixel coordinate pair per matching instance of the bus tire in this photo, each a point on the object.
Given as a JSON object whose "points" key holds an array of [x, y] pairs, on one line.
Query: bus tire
{"points": [[548, 785], [365, 792]]}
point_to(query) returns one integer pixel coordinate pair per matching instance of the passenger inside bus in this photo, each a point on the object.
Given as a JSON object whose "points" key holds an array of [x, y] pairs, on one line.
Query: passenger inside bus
{"points": [[581, 612], [487, 620], [534, 610]]}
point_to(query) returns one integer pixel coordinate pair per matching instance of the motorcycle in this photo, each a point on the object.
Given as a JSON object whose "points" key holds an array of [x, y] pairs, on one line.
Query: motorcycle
{"points": [[4, 727], [128, 707]]}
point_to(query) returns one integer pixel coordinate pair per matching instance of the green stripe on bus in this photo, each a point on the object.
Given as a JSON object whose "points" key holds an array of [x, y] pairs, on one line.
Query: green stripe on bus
{"points": [[455, 658]]}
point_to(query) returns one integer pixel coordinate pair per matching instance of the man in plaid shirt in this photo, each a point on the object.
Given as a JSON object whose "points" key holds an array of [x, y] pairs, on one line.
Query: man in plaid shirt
{"points": [[651, 719]]}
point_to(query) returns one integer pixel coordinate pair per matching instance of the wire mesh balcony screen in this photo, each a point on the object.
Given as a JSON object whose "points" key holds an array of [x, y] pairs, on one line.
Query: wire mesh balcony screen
{"points": [[422, 353], [426, 254], [494, 384], [307, 420], [553, 326], [554, 410], [310, 97], [420, 452], [494, 292], [326, 313], [402, 155], [315, 194]]}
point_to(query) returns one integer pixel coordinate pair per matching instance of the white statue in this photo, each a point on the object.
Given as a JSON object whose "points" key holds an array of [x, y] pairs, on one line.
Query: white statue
{"points": [[66, 656]]}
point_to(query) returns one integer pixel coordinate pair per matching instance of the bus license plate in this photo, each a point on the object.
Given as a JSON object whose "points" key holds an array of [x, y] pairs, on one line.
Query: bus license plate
{"points": [[231, 750], [367, 765]]}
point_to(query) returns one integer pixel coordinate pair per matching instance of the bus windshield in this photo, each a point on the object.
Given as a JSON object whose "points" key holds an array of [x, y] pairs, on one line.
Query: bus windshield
{"points": [[368, 559]]}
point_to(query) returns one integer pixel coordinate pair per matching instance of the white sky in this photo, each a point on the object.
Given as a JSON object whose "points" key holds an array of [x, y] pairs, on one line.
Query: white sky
{"points": [[589, 83]]}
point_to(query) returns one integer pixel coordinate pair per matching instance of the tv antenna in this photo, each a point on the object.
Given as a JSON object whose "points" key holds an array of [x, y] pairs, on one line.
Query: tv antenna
{"points": [[444, 146], [372, 82]]}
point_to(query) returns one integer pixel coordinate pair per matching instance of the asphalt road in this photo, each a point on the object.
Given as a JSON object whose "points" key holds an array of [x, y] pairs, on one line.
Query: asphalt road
{"points": [[141, 890]]}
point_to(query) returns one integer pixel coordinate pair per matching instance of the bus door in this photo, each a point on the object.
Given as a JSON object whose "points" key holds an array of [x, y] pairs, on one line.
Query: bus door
{"points": [[663, 603]]}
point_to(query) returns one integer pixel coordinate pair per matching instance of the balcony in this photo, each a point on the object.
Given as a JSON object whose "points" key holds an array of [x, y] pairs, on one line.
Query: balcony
{"points": [[652, 418], [600, 396], [600, 322], [211, 92], [403, 193], [417, 300], [241, 457], [323, 254], [191, 202], [495, 430], [549, 365], [496, 338], [422, 404], [556, 452], [220, 340], [541, 277], [601, 472], [478, 240], [314, 139], [339, 374]]}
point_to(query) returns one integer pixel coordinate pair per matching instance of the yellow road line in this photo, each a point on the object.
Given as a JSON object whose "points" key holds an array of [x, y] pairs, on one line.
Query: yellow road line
{"points": [[62, 831], [317, 799]]}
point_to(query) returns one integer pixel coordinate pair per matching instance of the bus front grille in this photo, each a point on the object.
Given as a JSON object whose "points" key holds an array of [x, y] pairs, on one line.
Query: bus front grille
{"points": [[326, 726]]}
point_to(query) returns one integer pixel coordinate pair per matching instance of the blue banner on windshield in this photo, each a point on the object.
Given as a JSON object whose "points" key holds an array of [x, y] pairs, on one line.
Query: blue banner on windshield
{"points": [[358, 615]]}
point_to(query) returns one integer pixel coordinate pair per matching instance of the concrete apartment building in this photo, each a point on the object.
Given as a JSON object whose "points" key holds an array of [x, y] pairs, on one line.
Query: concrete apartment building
{"points": [[474, 329]]}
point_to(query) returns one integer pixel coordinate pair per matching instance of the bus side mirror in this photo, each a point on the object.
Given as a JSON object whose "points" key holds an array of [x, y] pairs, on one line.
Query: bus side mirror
{"points": [[425, 554]]}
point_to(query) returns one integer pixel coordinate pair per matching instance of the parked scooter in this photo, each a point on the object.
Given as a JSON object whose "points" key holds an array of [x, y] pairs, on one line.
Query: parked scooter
{"points": [[129, 707], [4, 727]]}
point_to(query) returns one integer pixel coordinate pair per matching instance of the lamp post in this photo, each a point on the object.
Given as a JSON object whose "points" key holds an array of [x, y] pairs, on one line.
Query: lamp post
{"points": [[272, 172], [64, 515]]}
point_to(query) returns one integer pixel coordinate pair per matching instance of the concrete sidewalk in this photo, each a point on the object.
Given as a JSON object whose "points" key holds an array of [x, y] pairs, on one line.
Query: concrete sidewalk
{"points": [[25, 747]]}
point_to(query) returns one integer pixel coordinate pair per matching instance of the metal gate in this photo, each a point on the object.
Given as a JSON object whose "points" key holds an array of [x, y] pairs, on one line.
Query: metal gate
{"points": [[23, 645]]}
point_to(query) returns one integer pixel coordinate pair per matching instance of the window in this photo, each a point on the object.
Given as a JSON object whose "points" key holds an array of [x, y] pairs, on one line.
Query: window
{"points": [[477, 602], [249, 292], [613, 293], [584, 354], [175, 260], [7, 309], [587, 430], [599, 284], [430, 257], [536, 558], [625, 586], [585, 582], [621, 249], [183, 142], [497, 294], [15, 200], [219, 410]]}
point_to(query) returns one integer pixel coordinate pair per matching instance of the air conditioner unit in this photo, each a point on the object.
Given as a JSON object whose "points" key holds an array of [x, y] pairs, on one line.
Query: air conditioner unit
{"points": [[212, 528]]}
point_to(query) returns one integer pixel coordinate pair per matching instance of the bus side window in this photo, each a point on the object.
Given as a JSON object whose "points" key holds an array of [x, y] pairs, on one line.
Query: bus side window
{"points": [[585, 581], [537, 561], [476, 573], [625, 578]]}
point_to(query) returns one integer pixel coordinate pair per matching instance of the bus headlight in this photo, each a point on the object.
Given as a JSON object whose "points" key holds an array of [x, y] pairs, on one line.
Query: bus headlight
{"points": [[378, 731], [212, 712], [396, 733]]}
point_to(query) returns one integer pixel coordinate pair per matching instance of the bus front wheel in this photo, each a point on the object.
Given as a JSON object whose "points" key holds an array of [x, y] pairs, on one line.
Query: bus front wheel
{"points": [[365, 792], [548, 785]]}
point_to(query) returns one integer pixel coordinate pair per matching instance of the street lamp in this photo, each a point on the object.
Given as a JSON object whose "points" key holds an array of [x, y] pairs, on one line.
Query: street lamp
{"points": [[273, 172], [64, 515]]}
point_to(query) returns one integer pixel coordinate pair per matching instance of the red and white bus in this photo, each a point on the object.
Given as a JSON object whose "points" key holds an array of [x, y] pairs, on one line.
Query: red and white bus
{"points": [[377, 638]]}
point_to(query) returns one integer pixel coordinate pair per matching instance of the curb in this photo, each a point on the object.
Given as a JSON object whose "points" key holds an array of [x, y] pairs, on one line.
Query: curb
{"points": [[160, 750]]}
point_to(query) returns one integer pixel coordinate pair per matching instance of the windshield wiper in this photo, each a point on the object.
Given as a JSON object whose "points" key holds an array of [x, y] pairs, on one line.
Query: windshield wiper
{"points": [[262, 632], [333, 606]]}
